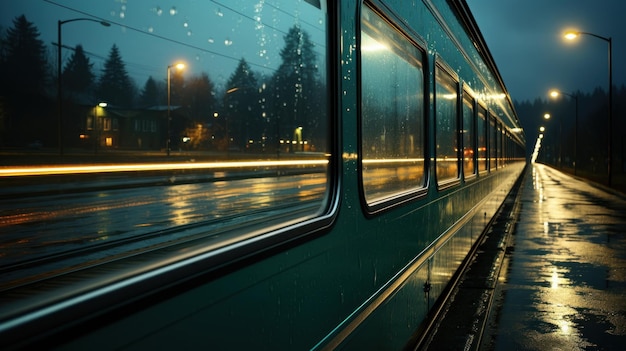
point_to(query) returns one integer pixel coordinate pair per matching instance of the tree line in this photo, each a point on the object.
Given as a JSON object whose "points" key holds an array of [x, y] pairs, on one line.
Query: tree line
{"points": [[252, 108], [565, 143]]}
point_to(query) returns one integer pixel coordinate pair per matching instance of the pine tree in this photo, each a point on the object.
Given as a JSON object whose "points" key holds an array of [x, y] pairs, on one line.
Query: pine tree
{"points": [[115, 86], [199, 96], [241, 103], [24, 63], [296, 87], [78, 76], [150, 95]]}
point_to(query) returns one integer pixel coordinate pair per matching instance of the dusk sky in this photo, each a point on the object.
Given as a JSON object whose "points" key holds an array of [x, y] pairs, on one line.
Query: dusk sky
{"points": [[525, 38], [209, 36]]}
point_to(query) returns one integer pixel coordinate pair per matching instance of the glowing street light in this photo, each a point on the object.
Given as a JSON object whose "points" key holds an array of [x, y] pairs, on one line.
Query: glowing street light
{"points": [[571, 35], [168, 142], [546, 116], [555, 94], [60, 73]]}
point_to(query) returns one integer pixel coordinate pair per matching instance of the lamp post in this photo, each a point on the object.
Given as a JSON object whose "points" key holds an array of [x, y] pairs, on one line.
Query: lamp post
{"points": [[59, 73], [571, 35], [555, 94], [168, 141]]}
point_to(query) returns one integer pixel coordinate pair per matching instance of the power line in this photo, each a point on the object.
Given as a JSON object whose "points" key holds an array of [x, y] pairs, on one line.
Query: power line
{"points": [[156, 35]]}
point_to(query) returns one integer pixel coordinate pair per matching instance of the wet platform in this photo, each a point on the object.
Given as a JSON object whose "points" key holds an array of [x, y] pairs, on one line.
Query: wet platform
{"points": [[559, 281]]}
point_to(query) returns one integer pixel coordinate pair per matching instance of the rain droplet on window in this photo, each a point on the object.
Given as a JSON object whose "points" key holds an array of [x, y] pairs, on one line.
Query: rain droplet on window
{"points": [[219, 12], [211, 40], [150, 29], [159, 11], [173, 11], [228, 42], [189, 33]]}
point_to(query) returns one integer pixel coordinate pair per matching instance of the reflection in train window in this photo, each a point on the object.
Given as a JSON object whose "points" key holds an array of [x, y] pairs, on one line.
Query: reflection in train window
{"points": [[392, 106], [500, 153], [468, 132], [446, 126], [493, 143], [481, 127], [149, 153]]}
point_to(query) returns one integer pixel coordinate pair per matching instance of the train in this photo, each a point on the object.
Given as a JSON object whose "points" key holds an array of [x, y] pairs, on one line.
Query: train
{"points": [[320, 174]]}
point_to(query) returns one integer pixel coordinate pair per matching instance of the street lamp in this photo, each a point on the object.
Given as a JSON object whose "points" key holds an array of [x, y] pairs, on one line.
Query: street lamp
{"points": [[59, 73], [97, 131], [168, 142], [571, 35], [555, 94]]}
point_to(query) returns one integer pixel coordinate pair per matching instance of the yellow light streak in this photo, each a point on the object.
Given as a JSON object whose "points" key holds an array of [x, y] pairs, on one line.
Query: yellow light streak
{"points": [[85, 169], [392, 160]]}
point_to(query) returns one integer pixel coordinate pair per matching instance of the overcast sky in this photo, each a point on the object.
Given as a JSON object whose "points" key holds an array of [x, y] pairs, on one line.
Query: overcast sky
{"points": [[209, 35], [525, 38]]}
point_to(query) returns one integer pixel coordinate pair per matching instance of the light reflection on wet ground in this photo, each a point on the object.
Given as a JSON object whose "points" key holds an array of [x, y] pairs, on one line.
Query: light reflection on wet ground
{"points": [[565, 288]]}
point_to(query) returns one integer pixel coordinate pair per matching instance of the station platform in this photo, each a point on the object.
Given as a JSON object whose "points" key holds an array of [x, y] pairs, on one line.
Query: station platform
{"points": [[554, 276]]}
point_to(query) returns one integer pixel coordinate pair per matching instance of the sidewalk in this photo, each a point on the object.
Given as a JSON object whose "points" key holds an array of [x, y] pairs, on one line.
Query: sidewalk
{"points": [[565, 284]]}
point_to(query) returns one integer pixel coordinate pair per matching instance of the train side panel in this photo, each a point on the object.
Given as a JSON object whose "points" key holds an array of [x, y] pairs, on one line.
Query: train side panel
{"points": [[370, 281]]}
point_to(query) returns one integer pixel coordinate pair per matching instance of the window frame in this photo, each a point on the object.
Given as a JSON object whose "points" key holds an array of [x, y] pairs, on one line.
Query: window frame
{"points": [[493, 142], [385, 202], [99, 291], [441, 66], [482, 117], [472, 102]]}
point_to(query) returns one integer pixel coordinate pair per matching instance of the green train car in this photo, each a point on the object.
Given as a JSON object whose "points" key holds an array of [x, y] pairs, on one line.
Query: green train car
{"points": [[313, 177]]}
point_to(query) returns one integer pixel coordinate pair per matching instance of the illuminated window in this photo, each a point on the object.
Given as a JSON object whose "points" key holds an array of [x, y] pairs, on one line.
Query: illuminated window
{"points": [[493, 143], [255, 72], [481, 127], [446, 126], [392, 110], [469, 134]]}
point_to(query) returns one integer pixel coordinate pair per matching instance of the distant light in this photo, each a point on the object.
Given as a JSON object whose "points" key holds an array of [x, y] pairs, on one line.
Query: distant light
{"points": [[554, 93], [547, 116], [103, 104], [542, 129], [180, 66], [571, 35]]}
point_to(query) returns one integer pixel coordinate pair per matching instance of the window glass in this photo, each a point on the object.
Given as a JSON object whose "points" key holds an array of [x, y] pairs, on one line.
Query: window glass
{"points": [[469, 165], [493, 143], [481, 126], [392, 82], [446, 131], [142, 152], [500, 146]]}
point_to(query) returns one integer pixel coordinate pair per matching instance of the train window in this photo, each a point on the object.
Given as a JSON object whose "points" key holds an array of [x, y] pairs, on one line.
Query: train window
{"points": [[493, 143], [481, 127], [469, 134], [501, 160], [392, 110], [446, 126], [197, 124]]}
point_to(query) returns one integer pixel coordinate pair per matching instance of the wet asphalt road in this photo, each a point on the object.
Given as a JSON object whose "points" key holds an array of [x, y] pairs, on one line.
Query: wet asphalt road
{"points": [[564, 285]]}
